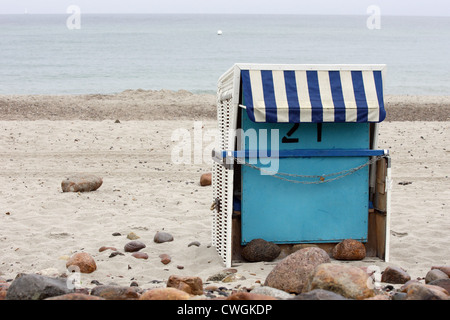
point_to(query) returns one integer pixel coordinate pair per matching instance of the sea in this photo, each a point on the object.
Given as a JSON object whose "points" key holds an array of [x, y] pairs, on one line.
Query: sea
{"points": [[110, 53]]}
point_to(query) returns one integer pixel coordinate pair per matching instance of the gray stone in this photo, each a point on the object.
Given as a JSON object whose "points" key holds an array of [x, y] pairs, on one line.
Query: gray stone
{"points": [[113, 292], [319, 294], [194, 243], [260, 250], [75, 296], [269, 291], [36, 287], [399, 296], [162, 236]]}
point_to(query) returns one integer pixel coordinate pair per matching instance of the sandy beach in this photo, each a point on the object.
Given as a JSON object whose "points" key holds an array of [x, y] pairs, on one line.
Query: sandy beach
{"points": [[44, 139]]}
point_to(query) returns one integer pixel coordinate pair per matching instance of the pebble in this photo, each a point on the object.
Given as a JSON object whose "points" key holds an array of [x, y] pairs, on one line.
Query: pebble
{"points": [[349, 249], [194, 243], [165, 258], [260, 250], [161, 237], [445, 269], [103, 248], [443, 283], [140, 255], [111, 292], [190, 285], [404, 287], [164, 294], [132, 236], [219, 276], [115, 253], [276, 293], [82, 262], [205, 179], [395, 275], [233, 277], [211, 287], [81, 183], [134, 246], [435, 274]]}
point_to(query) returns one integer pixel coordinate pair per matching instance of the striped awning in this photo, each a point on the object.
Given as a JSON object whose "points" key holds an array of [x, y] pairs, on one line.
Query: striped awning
{"points": [[315, 96]]}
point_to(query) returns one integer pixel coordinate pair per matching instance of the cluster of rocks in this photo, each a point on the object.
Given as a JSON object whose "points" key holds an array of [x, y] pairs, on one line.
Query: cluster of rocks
{"points": [[307, 274], [83, 262], [311, 274]]}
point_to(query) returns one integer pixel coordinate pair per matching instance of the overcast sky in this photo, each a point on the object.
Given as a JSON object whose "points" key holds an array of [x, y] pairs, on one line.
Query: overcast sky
{"points": [[387, 7]]}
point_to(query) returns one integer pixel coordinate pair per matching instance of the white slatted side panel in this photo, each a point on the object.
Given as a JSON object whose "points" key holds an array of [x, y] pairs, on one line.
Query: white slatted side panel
{"points": [[217, 187], [223, 188]]}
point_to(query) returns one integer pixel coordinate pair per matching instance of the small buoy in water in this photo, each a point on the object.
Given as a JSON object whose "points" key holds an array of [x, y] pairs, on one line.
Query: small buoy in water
{"points": [[219, 32]]}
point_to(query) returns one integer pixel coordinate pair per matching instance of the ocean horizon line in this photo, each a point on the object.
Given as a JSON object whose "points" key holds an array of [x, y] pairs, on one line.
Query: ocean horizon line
{"points": [[225, 14]]}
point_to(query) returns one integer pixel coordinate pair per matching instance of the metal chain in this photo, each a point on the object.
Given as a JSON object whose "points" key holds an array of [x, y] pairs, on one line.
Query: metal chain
{"points": [[321, 178]]}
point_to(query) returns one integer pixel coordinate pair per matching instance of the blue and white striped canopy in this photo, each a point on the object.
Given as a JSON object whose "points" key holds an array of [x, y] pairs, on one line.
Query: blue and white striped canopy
{"points": [[316, 96]]}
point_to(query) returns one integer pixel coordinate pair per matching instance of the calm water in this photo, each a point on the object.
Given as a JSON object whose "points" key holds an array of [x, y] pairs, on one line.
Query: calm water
{"points": [[39, 54]]}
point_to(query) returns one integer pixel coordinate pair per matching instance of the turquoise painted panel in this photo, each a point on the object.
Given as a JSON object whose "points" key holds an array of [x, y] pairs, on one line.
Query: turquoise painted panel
{"points": [[334, 135], [285, 212]]}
